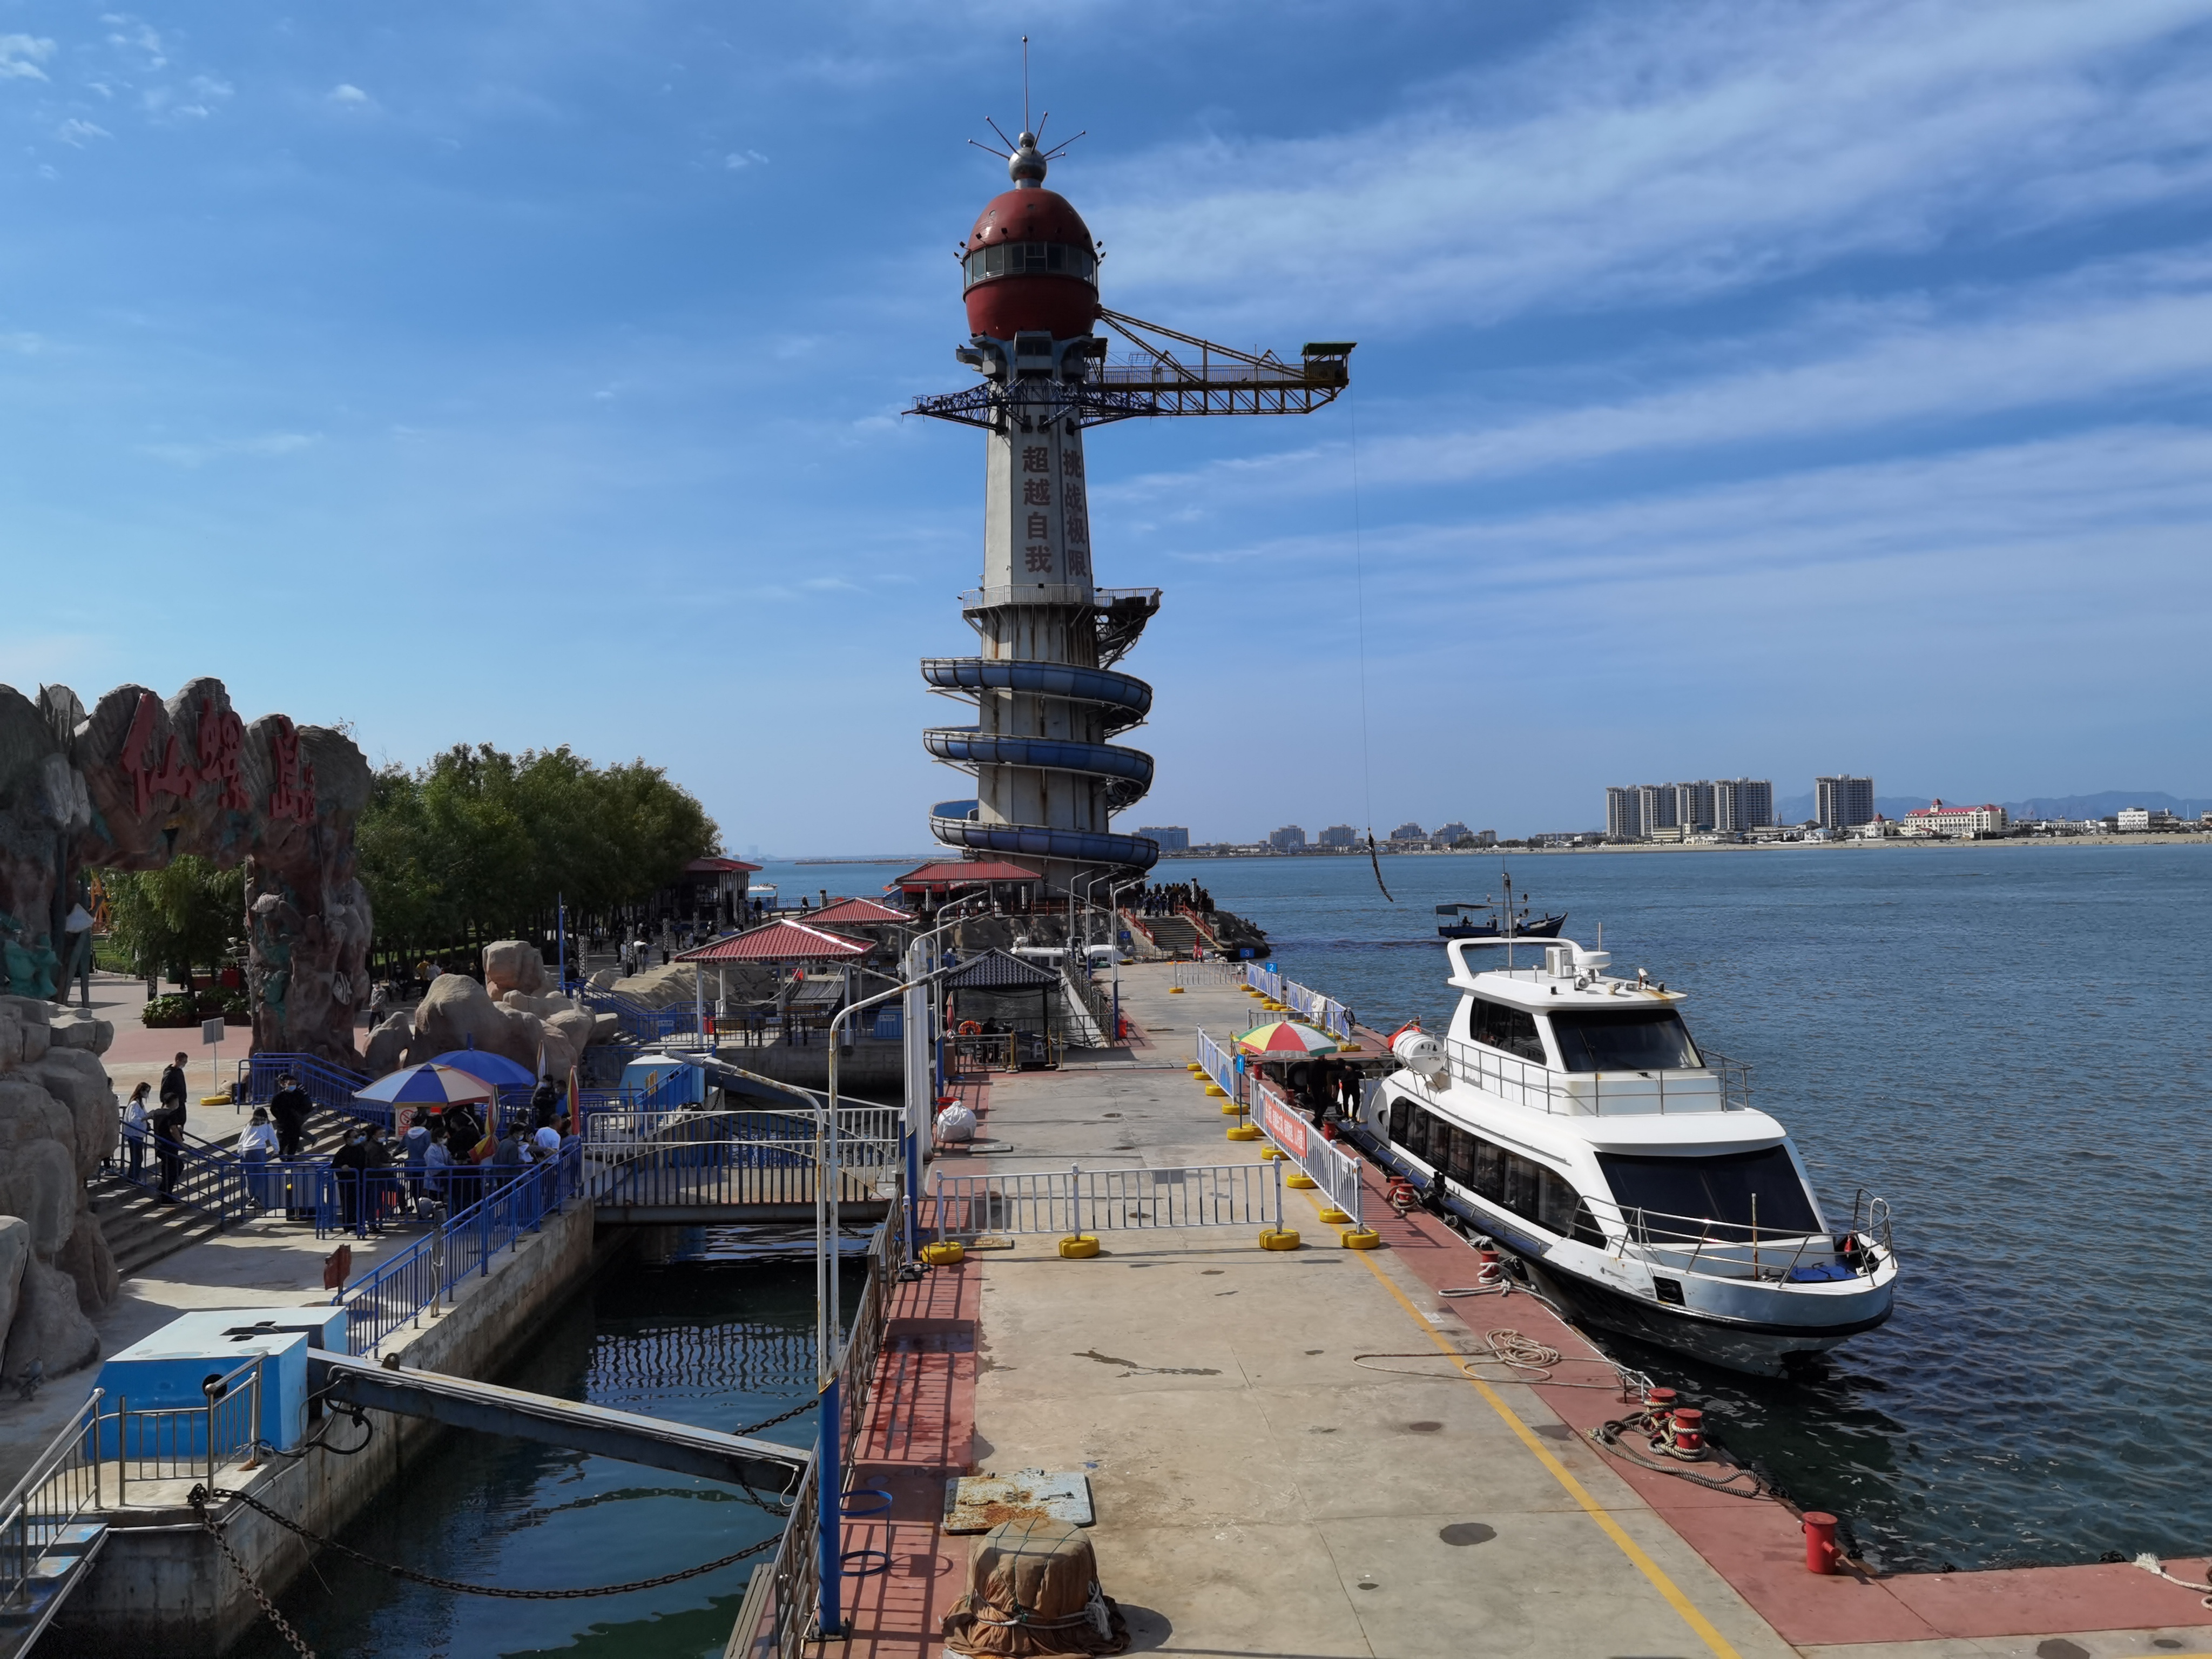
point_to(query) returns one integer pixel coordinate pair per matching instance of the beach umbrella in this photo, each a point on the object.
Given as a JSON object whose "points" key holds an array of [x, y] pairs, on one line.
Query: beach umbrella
{"points": [[1285, 1039], [495, 1069], [426, 1085]]}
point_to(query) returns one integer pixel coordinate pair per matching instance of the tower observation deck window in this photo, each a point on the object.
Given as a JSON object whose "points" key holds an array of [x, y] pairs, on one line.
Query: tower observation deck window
{"points": [[1032, 259]]}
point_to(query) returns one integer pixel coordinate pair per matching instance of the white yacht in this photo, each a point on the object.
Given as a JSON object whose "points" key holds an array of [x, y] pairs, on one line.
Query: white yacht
{"points": [[1569, 1115]]}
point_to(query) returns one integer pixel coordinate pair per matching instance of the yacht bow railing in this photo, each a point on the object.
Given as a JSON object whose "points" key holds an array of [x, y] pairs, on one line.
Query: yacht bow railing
{"points": [[1722, 1084], [1698, 1246]]}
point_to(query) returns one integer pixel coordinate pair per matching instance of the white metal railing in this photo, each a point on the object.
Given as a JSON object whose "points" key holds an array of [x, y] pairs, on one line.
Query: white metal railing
{"points": [[1720, 1085], [1333, 1167], [1077, 1201], [61, 1485], [1217, 1062], [1266, 980], [1700, 1247], [614, 1132], [1325, 1012], [1190, 974]]}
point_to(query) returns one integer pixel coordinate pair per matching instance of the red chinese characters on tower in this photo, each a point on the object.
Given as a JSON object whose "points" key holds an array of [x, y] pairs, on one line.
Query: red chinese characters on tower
{"points": [[294, 796]]}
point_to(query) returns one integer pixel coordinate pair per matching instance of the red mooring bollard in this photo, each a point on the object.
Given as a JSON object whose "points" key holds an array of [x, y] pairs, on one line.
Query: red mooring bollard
{"points": [[1822, 1554], [1689, 1431]]}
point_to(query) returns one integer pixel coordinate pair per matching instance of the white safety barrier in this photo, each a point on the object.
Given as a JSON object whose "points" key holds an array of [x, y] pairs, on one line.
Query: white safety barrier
{"points": [[1334, 1167], [1219, 1064], [1080, 1200]]}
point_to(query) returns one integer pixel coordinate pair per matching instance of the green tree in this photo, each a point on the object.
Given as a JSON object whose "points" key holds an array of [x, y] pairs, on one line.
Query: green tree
{"points": [[177, 919], [481, 844]]}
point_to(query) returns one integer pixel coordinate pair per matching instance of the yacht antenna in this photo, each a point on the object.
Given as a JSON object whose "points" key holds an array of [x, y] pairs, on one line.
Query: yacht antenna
{"points": [[1507, 875], [1359, 615]]}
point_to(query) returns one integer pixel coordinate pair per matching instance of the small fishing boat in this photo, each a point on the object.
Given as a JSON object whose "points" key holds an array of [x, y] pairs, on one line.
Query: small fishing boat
{"points": [[1502, 918], [1567, 1114]]}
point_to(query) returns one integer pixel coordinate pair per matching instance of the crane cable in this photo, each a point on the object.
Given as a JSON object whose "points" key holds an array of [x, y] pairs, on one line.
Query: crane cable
{"points": [[1359, 613]]}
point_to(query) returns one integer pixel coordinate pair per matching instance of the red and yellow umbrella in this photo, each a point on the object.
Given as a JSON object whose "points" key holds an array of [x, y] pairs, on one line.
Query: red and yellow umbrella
{"points": [[1285, 1039]]}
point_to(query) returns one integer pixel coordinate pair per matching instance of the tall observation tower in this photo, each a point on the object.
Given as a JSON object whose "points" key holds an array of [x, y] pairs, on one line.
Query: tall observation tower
{"points": [[1047, 695]]}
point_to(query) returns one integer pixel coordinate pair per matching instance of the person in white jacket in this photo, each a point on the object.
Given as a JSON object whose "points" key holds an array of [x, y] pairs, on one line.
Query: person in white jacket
{"points": [[134, 1131]]}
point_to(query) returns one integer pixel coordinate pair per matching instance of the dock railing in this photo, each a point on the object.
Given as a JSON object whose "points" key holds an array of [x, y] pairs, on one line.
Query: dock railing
{"points": [[1332, 1166], [1722, 1084], [1077, 1201], [1324, 1012], [63, 1483]]}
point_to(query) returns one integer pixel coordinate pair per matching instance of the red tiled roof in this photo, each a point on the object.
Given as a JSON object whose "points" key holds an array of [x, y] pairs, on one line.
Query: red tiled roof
{"points": [[702, 866], [861, 910], [778, 941], [960, 872]]}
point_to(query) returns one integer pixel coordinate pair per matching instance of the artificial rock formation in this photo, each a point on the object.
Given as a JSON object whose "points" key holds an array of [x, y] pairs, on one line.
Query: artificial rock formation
{"points": [[129, 786], [57, 1118], [510, 1014]]}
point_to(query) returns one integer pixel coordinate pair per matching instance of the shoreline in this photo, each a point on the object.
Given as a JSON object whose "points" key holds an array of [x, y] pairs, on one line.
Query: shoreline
{"points": [[1913, 843]]}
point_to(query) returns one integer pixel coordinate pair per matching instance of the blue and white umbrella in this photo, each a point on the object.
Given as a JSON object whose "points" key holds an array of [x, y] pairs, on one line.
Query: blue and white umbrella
{"points": [[427, 1085], [495, 1069]]}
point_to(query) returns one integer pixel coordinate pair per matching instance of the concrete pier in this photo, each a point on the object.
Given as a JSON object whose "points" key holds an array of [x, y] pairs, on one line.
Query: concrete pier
{"points": [[1287, 1459]]}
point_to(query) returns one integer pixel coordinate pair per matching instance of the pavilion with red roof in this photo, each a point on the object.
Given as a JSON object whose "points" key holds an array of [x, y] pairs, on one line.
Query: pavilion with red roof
{"points": [[1009, 883], [779, 942], [863, 913]]}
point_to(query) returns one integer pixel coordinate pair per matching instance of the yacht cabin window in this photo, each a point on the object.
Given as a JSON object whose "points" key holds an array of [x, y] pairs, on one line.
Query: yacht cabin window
{"points": [[1624, 1040], [1513, 1030], [1532, 1191], [1716, 1197]]}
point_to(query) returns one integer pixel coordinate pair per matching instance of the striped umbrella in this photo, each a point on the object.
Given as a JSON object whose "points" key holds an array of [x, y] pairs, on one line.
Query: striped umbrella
{"points": [[1285, 1039], [427, 1085]]}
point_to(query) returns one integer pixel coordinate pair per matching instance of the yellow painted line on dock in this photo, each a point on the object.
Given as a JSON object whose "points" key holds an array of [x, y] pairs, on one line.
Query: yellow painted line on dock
{"points": [[1558, 1471]]}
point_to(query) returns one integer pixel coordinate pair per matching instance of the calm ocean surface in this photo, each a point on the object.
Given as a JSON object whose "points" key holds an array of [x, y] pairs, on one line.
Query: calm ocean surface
{"points": [[2006, 1043]]}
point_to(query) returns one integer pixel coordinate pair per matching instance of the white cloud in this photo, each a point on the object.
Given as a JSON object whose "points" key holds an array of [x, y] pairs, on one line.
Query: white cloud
{"points": [[21, 56], [737, 159], [1673, 153], [75, 132], [130, 33], [347, 95], [2122, 328], [266, 446]]}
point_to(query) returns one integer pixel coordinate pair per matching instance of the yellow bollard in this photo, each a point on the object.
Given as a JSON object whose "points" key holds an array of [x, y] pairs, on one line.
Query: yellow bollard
{"points": [[1333, 1217], [946, 1253], [1301, 1179], [1271, 1153], [1279, 1238], [1244, 1132], [1175, 990], [1216, 1090], [1359, 1238], [1077, 1246], [1231, 1108]]}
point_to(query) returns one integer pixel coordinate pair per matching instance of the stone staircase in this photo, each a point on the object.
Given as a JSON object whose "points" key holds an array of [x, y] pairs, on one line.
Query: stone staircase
{"points": [[1173, 934], [141, 1229]]}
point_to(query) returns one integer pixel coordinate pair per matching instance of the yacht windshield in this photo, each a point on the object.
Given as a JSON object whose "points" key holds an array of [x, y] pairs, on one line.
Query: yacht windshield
{"points": [[1626, 1040], [1722, 1197]]}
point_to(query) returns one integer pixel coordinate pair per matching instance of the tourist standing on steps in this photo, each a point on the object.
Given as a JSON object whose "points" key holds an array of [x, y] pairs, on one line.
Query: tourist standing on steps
{"points": [[173, 1090], [134, 1131], [289, 1107]]}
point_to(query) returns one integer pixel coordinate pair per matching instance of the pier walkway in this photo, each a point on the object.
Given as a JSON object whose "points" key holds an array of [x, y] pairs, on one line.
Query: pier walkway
{"points": [[1287, 1463]]}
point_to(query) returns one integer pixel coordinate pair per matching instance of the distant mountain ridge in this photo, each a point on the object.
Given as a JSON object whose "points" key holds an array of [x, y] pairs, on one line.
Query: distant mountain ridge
{"points": [[1797, 808]]}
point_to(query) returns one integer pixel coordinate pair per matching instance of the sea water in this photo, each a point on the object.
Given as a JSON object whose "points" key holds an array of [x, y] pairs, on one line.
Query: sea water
{"points": [[708, 1333], [2007, 1042]]}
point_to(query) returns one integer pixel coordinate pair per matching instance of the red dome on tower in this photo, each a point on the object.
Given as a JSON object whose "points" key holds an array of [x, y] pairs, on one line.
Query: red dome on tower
{"points": [[1031, 265]]}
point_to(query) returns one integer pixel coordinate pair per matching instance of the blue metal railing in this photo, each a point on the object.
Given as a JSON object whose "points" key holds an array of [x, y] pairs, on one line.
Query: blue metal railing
{"points": [[397, 1291], [326, 1085]]}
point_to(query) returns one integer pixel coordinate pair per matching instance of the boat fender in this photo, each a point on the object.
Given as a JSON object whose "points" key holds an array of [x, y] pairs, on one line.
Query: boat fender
{"points": [[1417, 1051]]}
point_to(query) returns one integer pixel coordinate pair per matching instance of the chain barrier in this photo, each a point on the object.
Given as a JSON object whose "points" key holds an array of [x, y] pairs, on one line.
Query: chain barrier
{"points": [[800, 1409], [199, 1503], [202, 1494]]}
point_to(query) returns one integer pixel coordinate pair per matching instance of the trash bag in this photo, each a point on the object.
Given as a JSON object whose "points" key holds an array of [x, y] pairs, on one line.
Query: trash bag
{"points": [[1033, 1594], [956, 1126]]}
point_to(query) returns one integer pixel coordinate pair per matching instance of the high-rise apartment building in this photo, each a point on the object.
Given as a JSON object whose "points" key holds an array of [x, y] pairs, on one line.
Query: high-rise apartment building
{"points": [[1693, 807], [1287, 839], [1655, 804], [1340, 835], [1741, 804], [1172, 837], [1624, 815], [1843, 801]]}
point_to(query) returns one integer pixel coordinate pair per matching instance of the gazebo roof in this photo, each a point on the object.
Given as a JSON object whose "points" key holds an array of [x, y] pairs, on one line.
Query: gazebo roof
{"points": [[779, 941], [852, 910], [995, 970], [717, 866], [961, 872]]}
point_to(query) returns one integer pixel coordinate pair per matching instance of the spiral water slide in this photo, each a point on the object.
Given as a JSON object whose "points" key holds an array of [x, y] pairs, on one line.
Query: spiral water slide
{"points": [[1128, 772]]}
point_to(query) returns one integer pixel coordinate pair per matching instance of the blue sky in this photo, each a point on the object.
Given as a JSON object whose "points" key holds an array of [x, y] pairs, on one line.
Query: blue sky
{"points": [[1751, 388]]}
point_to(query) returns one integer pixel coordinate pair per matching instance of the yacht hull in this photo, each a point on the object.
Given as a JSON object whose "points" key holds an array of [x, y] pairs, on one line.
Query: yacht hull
{"points": [[1756, 1347]]}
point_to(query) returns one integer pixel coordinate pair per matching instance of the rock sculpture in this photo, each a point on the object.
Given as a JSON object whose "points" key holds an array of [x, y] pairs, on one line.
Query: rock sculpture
{"points": [[129, 786], [510, 1014]]}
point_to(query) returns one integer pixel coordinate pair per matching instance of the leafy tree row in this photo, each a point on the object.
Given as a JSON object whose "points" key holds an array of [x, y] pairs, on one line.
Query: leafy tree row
{"points": [[480, 844], [476, 846]]}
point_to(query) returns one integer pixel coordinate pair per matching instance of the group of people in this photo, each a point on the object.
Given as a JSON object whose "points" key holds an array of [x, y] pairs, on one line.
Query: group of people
{"points": [[1321, 1086], [1166, 899], [442, 1157]]}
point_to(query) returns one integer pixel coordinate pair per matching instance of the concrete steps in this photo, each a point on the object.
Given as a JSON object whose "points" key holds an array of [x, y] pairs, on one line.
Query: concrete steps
{"points": [[64, 1556], [1174, 934], [142, 1230]]}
